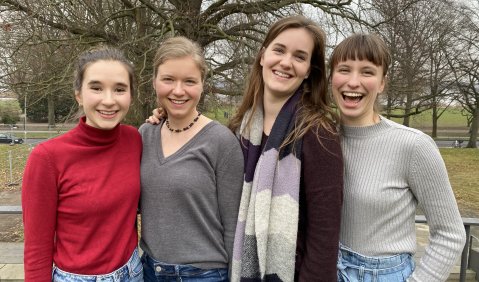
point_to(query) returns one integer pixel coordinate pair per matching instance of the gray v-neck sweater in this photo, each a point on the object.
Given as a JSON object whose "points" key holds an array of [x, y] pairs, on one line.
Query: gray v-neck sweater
{"points": [[190, 200], [391, 169]]}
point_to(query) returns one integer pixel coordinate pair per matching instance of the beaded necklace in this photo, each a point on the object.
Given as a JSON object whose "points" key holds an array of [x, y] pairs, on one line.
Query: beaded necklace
{"points": [[185, 128]]}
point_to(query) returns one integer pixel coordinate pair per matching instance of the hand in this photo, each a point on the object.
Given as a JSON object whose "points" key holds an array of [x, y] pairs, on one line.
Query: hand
{"points": [[158, 114]]}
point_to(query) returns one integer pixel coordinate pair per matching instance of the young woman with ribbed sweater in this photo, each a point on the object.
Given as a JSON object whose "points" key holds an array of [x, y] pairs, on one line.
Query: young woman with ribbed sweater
{"points": [[191, 176], [390, 170], [80, 191]]}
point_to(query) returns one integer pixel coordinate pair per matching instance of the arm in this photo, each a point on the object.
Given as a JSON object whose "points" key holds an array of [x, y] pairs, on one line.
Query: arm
{"points": [[323, 188], [430, 184], [229, 183], [39, 204]]}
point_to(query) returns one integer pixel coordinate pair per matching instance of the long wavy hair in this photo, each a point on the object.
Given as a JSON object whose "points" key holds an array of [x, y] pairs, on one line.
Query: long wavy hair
{"points": [[315, 109]]}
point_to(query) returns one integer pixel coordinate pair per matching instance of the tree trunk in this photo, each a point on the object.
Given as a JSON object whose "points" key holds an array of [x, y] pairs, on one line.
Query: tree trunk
{"points": [[434, 121], [473, 129], [51, 110]]}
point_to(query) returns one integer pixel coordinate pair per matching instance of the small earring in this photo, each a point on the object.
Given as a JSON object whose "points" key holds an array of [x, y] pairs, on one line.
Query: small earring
{"points": [[80, 105]]}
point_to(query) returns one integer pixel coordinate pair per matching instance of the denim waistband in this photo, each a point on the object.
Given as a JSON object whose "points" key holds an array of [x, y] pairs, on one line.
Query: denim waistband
{"points": [[116, 275], [354, 259], [162, 268]]}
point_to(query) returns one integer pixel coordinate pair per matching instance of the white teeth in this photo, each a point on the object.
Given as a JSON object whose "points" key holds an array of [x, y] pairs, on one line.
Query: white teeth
{"points": [[285, 75], [107, 112], [178, 101], [352, 94]]}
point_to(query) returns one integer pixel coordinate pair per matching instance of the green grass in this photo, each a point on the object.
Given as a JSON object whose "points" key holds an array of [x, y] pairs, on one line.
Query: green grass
{"points": [[451, 118], [462, 166], [218, 114], [13, 157]]}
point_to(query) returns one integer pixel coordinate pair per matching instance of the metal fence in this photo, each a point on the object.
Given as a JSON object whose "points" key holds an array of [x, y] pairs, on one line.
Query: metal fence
{"points": [[12, 163], [468, 258]]}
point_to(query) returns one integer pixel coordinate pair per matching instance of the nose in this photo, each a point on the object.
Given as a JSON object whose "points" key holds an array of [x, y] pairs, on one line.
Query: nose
{"points": [[178, 90], [286, 61], [108, 98], [354, 80]]}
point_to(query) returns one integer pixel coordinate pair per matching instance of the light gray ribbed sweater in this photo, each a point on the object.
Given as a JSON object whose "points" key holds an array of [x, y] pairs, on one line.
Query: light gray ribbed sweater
{"points": [[190, 199], [390, 169]]}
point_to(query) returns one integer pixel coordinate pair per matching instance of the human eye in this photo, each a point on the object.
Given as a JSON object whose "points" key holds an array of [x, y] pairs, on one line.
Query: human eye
{"points": [[120, 90], [167, 79], [342, 69], [369, 72], [95, 88], [301, 58], [278, 50], [190, 82]]}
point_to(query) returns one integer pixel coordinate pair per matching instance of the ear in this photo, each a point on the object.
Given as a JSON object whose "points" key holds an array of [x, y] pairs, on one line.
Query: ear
{"points": [[383, 84], [262, 56], [153, 83], [78, 97]]}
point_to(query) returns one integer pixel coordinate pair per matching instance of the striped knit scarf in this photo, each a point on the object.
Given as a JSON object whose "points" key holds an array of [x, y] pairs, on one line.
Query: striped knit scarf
{"points": [[265, 241]]}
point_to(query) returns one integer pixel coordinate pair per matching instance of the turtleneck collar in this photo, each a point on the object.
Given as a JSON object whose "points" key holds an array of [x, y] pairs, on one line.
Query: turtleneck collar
{"points": [[95, 136], [366, 131]]}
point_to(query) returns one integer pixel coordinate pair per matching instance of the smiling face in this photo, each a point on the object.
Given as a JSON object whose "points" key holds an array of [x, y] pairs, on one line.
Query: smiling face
{"points": [[355, 85], [178, 85], [105, 93], [286, 62]]}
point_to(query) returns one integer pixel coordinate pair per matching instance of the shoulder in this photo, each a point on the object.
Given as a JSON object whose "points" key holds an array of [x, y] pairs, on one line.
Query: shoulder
{"points": [[220, 133], [129, 130], [410, 136], [148, 129], [322, 138]]}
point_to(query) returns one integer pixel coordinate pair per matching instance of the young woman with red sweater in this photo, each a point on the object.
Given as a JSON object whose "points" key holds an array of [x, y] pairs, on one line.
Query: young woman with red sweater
{"points": [[80, 191]]}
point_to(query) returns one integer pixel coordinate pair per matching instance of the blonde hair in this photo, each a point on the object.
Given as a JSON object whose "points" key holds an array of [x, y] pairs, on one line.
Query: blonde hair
{"points": [[179, 47]]}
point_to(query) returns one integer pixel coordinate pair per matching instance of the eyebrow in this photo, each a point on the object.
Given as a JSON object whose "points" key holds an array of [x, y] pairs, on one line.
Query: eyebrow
{"points": [[297, 51], [93, 82]]}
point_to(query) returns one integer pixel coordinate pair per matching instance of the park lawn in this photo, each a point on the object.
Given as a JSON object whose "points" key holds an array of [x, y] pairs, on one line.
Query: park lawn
{"points": [[451, 118], [14, 156], [462, 166]]}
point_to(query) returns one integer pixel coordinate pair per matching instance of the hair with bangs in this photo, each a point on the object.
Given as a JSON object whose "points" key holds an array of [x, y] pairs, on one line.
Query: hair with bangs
{"points": [[361, 47]]}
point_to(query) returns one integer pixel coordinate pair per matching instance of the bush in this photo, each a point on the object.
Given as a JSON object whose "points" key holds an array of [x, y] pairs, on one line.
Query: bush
{"points": [[10, 111]]}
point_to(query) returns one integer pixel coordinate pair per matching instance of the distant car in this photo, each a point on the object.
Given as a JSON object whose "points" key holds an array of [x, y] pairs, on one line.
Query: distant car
{"points": [[8, 138]]}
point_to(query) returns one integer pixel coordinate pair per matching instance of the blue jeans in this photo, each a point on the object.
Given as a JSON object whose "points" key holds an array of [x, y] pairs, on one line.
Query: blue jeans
{"points": [[354, 267], [132, 271], [156, 271]]}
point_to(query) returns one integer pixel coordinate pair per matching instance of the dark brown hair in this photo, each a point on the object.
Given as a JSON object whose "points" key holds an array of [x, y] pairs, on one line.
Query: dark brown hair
{"points": [[315, 110], [102, 54], [361, 47]]}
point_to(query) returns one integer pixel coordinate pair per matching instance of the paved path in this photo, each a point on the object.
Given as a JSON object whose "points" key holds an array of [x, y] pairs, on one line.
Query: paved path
{"points": [[11, 258]]}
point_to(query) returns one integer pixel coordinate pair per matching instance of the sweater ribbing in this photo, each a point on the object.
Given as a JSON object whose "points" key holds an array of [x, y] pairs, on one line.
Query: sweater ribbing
{"points": [[390, 169]]}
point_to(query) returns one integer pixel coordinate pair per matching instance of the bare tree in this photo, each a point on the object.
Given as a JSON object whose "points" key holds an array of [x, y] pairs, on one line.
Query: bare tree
{"points": [[50, 34], [465, 65]]}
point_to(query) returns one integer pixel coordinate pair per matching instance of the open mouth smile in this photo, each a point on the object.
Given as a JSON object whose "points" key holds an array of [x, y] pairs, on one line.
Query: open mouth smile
{"points": [[353, 97]]}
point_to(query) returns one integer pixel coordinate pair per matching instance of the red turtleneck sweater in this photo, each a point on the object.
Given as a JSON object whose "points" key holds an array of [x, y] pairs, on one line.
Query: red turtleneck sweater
{"points": [[80, 195]]}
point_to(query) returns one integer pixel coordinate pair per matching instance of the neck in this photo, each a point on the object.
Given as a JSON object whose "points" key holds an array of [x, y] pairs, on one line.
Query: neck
{"points": [[271, 107], [182, 123], [374, 119]]}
